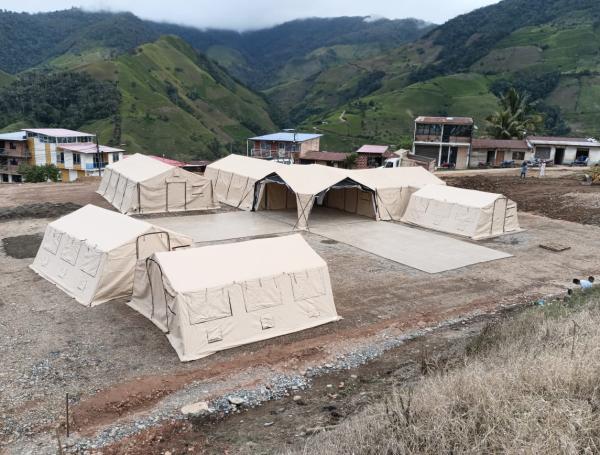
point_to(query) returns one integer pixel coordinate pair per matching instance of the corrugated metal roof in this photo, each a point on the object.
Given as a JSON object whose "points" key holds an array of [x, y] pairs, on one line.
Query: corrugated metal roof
{"points": [[16, 136], [555, 140], [168, 161], [322, 156], [57, 132], [87, 147], [500, 144], [286, 137], [446, 120], [375, 149]]}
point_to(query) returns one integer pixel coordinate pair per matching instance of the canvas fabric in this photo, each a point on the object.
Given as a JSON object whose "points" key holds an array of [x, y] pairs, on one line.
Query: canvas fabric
{"points": [[217, 297]]}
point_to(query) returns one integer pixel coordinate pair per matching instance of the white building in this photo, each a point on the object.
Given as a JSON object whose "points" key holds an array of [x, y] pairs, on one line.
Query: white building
{"points": [[75, 153], [564, 150]]}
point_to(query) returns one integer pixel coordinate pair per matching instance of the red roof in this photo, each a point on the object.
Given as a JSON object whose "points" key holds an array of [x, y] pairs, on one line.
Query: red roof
{"points": [[168, 161], [514, 144], [322, 156], [374, 149]]}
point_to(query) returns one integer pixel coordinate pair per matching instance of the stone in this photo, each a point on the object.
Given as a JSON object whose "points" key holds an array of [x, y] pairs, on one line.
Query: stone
{"points": [[329, 386], [200, 407], [236, 400], [341, 385], [353, 376], [268, 424]]}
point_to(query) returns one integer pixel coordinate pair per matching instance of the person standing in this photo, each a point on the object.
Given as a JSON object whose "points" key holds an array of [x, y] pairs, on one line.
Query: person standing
{"points": [[543, 169], [524, 169]]}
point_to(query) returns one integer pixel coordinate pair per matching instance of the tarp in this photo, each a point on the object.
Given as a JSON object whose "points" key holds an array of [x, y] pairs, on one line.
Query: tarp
{"points": [[141, 184], [217, 297], [469, 213], [91, 253], [254, 184]]}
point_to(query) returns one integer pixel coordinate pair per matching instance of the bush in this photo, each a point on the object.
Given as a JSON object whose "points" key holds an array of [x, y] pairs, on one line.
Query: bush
{"points": [[39, 174]]}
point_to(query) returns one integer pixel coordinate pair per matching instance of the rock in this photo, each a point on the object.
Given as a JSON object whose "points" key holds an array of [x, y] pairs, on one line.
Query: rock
{"points": [[298, 400], [353, 376], [314, 430], [236, 400], [268, 424], [200, 407], [341, 385], [329, 386], [167, 452]]}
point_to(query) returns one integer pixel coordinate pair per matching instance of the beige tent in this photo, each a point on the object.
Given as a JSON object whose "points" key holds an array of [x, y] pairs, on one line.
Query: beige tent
{"points": [[253, 184], [234, 178], [141, 184], [91, 253], [469, 213], [218, 297]]}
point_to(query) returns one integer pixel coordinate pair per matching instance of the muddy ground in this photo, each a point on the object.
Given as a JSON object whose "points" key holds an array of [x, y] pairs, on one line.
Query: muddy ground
{"points": [[563, 198], [120, 370]]}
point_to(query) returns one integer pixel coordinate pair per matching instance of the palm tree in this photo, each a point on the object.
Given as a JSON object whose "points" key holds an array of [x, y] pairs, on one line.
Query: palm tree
{"points": [[516, 118]]}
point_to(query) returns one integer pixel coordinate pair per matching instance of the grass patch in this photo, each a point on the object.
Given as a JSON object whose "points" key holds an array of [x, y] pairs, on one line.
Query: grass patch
{"points": [[529, 384]]}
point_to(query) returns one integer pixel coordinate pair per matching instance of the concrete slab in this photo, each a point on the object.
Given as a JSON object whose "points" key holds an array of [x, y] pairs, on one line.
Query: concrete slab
{"points": [[422, 250], [319, 216], [222, 226]]}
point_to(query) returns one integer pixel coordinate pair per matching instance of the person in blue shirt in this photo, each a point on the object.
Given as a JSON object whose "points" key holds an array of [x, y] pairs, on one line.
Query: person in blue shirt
{"points": [[584, 284], [524, 169]]}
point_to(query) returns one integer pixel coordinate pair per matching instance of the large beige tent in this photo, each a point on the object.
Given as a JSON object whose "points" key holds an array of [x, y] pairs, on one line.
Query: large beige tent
{"points": [[91, 253], [470, 213], [253, 184], [221, 296], [141, 184]]}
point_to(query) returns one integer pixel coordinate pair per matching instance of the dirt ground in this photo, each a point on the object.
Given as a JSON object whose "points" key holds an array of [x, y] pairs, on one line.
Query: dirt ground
{"points": [[118, 368], [563, 198]]}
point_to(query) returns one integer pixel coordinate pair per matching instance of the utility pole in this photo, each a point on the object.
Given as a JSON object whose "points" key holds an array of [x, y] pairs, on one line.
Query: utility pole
{"points": [[99, 155]]}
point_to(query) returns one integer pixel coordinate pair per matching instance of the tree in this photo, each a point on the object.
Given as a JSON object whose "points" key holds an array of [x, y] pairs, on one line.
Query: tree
{"points": [[350, 161], [39, 174], [516, 118]]}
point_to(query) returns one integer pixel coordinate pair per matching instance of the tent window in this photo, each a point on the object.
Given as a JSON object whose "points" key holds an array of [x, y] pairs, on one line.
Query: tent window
{"points": [[209, 305], [261, 294], [198, 190], [308, 285], [70, 250], [89, 260], [52, 241]]}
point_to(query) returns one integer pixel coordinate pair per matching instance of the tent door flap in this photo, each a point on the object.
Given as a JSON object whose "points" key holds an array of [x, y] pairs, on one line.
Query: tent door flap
{"points": [[176, 196]]}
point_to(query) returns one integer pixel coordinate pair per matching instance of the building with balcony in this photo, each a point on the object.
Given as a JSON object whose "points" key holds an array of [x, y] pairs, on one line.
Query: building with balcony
{"points": [[446, 139], [75, 153], [13, 153], [281, 146]]}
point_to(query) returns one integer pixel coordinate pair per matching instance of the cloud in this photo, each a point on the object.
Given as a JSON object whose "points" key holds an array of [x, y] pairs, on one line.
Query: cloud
{"points": [[245, 15]]}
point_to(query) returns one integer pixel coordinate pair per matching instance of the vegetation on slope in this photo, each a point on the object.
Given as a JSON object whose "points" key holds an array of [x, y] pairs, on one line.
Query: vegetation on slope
{"points": [[178, 103], [66, 100], [527, 384]]}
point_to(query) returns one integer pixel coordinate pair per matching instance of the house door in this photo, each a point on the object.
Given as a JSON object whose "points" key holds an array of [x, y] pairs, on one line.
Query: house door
{"points": [[491, 157], [176, 196], [559, 156]]}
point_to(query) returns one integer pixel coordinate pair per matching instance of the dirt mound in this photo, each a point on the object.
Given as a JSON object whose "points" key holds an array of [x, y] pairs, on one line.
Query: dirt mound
{"points": [[22, 246], [43, 210]]}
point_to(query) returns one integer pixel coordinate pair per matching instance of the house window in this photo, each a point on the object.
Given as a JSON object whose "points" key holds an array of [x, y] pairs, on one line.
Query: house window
{"points": [[76, 158], [582, 152], [60, 158], [518, 156], [13, 146], [115, 157], [265, 146], [428, 130]]}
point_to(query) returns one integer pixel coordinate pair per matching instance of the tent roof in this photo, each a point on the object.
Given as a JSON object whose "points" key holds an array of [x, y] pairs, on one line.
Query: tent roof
{"points": [[104, 228], [196, 269], [380, 178], [314, 178], [139, 168], [244, 165], [461, 196]]}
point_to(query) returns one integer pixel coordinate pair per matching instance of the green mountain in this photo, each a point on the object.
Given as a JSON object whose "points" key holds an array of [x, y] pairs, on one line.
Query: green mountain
{"points": [[547, 48]]}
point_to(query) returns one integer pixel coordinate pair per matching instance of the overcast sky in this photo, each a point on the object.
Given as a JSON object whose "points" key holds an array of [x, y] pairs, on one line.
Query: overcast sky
{"points": [[252, 14]]}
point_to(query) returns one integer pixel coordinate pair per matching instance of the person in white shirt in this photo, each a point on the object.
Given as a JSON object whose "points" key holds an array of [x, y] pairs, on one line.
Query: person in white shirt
{"points": [[543, 169], [584, 284]]}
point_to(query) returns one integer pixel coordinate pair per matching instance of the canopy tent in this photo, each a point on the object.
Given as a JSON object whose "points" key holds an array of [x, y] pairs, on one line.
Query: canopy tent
{"points": [[234, 178], [221, 296], [253, 184], [470, 213], [141, 184], [91, 253]]}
